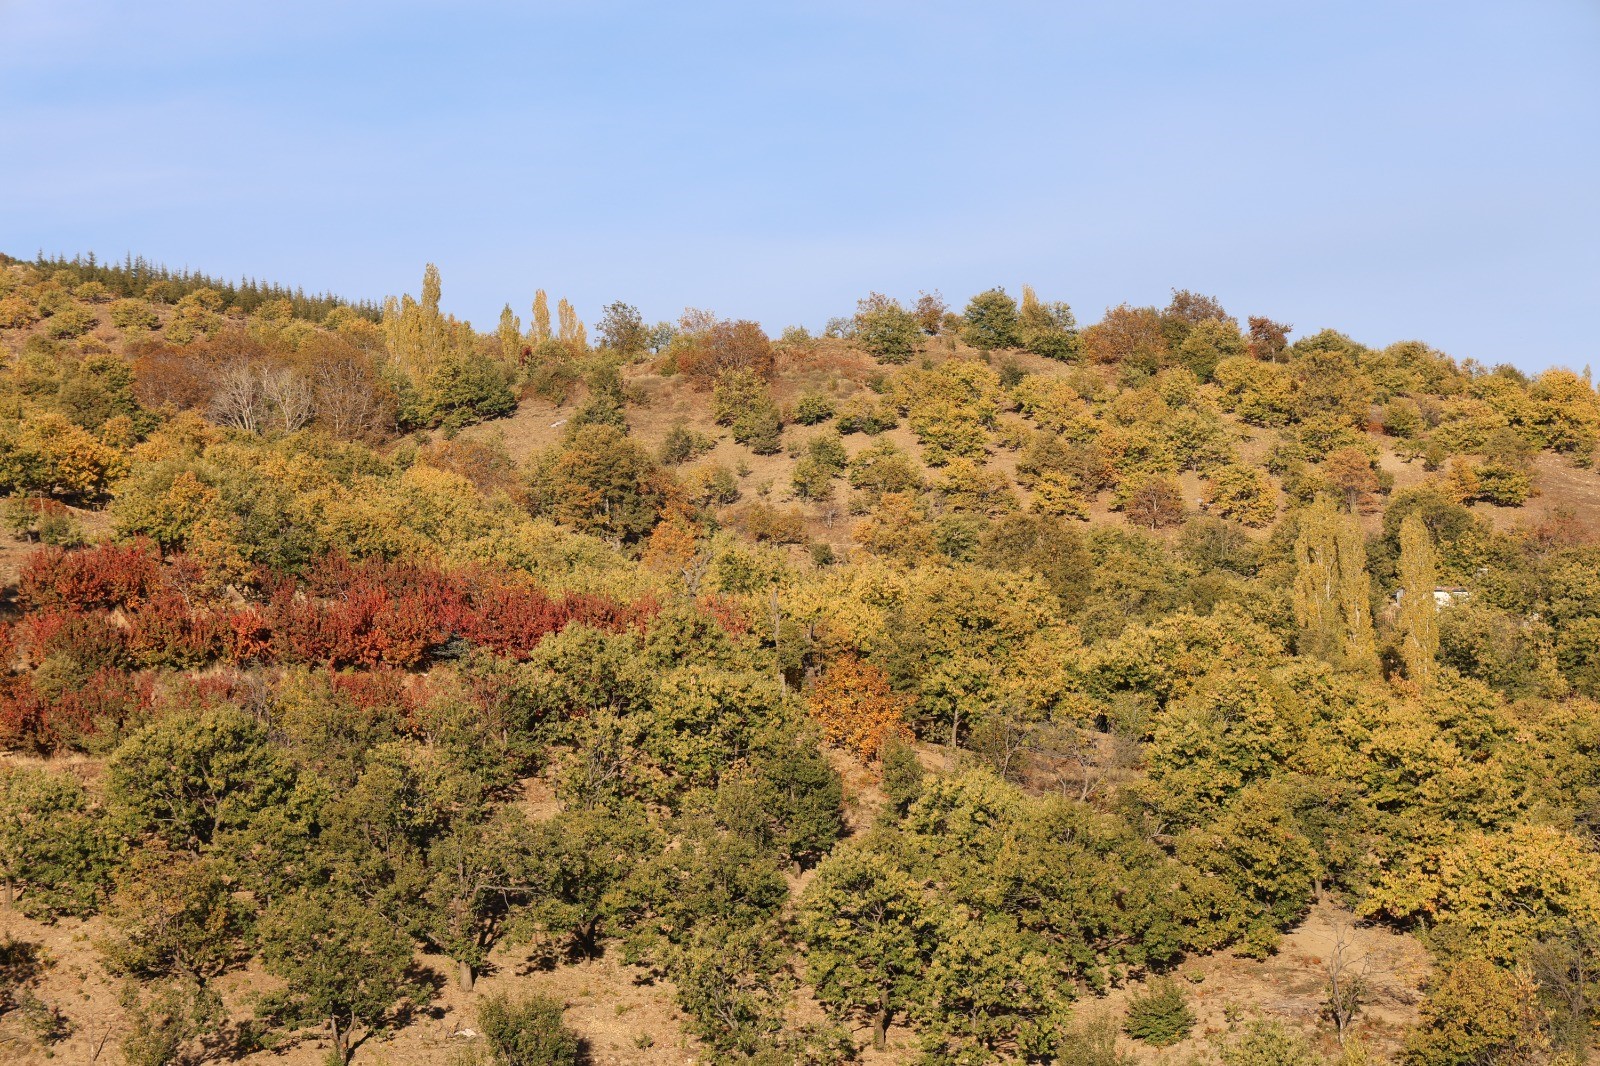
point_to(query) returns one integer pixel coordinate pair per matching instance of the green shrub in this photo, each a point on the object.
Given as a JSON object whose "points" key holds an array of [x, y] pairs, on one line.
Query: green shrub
{"points": [[1092, 1043], [72, 322], [133, 314], [528, 1032], [683, 444], [1160, 1016], [902, 774], [1269, 1044], [812, 409], [886, 330]]}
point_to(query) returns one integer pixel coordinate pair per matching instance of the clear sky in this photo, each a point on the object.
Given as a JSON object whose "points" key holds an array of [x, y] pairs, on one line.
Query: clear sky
{"points": [[1393, 169]]}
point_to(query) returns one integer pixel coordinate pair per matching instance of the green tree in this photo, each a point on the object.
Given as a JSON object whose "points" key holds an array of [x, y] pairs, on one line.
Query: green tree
{"points": [[991, 321], [599, 481], [578, 871], [174, 916], [343, 963], [1047, 329], [868, 936], [886, 330], [190, 777], [471, 888], [742, 401], [56, 855], [622, 329]]}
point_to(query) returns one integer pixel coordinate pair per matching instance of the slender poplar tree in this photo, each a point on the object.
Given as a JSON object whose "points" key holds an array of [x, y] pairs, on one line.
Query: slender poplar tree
{"points": [[541, 319], [1331, 588], [1419, 623]]}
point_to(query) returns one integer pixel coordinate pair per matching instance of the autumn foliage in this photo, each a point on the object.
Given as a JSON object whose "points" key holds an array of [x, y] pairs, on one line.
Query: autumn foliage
{"points": [[110, 609], [854, 705]]}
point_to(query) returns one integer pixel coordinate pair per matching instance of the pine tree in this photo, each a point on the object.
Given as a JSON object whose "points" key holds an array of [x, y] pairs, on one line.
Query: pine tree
{"points": [[1331, 586], [541, 320], [1419, 625]]}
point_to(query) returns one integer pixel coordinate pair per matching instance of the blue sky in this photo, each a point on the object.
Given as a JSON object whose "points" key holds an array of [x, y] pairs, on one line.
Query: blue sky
{"points": [[1393, 169]]}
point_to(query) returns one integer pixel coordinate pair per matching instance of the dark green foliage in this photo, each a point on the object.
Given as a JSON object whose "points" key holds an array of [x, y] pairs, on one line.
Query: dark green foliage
{"points": [[191, 777], [790, 802], [742, 402], [902, 775], [682, 444], [465, 389], [1160, 1015], [344, 964], [56, 853], [528, 1032], [991, 321], [886, 330], [813, 409], [136, 276]]}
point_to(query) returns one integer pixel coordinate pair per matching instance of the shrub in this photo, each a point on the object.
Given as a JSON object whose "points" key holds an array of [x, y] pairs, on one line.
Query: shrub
{"points": [[683, 444], [812, 409], [73, 322], [886, 330], [1269, 1044], [1092, 1043], [1475, 1013], [528, 1032], [1244, 494], [991, 321], [133, 314], [1160, 1016], [741, 401], [865, 415], [723, 348]]}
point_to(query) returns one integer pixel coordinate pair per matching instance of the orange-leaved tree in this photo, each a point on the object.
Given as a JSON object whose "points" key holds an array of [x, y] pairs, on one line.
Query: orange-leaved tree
{"points": [[856, 708]]}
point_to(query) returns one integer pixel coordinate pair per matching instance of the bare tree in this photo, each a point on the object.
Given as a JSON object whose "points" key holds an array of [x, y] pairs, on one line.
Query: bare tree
{"points": [[290, 397], [239, 400], [351, 401], [1348, 974]]}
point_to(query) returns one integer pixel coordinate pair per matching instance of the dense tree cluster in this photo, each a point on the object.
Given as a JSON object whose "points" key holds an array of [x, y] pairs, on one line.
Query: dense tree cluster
{"points": [[1130, 650]]}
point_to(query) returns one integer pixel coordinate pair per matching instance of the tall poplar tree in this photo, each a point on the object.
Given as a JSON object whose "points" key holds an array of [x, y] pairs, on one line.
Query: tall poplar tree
{"points": [[541, 319], [1331, 588], [572, 333], [510, 334], [1419, 623]]}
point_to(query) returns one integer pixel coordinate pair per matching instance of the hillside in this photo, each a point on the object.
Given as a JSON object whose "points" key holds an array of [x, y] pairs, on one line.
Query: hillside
{"points": [[953, 686]]}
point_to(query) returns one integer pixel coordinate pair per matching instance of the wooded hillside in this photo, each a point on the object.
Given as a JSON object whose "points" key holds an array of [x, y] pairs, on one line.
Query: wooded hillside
{"points": [[952, 685]]}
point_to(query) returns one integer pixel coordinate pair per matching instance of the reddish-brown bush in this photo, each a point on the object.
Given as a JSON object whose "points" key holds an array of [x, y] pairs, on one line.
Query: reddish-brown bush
{"points": [[105, 576]]}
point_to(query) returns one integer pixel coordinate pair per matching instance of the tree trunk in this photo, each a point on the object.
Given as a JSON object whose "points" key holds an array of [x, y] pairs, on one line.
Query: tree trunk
{"points": [[464, 975], [880, 1023], [341, 1041]]}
